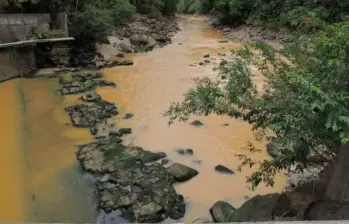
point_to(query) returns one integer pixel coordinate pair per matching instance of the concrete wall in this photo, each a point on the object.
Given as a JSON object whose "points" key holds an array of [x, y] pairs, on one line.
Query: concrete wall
{"points": [[18, 27], [16, 61]]}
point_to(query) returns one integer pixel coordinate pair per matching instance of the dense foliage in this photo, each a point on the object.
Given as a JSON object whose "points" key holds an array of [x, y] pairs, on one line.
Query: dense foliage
{"points": [[305, 100], [92, 20], [300, 15]]}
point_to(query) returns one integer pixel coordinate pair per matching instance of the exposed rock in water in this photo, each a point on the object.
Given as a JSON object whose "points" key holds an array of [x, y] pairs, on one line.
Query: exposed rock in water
{"points": [[189, 152], [207, 61], [92, 96], [223, 169], [120, 55], [197, 123], [125, 131], [185, 151], [180, 151], [258, 208], [222, 211], [126, 63], [128, 116], [83, 115], [106, 83], [144, 193], [206, 56], [112, 64], [164, 161], [79, 83], [181, 172], [223, 41]]}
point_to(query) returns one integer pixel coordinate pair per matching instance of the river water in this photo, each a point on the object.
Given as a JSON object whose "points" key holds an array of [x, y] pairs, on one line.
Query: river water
{"points": [[42, 180]]}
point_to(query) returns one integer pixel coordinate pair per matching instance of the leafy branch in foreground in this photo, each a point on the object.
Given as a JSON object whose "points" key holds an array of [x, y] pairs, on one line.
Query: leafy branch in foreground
{"points": [[304, 101]]}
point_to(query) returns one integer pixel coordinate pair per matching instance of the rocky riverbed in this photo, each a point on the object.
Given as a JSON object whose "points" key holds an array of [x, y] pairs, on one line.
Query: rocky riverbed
{"points": [[138, 184], [132, 180]]}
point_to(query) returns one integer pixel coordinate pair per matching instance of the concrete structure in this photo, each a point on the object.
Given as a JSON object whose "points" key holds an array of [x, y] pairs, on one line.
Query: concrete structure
{"points": [[16, 61], [19, 27], [19, 39]]}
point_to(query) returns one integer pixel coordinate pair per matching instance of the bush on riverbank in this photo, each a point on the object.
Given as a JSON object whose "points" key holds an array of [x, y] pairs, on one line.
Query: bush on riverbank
{"points": [[304, 15], [305, 104]]}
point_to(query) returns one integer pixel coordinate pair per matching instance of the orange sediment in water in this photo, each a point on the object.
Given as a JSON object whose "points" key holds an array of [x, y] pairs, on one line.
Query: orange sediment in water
{"points": [[41, 177], [12, 190], [161, 77]]}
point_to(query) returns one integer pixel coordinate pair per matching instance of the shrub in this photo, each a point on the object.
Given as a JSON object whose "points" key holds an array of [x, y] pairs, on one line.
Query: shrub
{"points": [[93, 24], [121, 10]]}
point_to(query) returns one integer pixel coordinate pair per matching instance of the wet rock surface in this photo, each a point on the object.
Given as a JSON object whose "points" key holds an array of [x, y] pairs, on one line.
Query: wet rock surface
{"points": [[146, 33], [258, 208], [79, 83], [181, 172], [131, 181], [197, 123], [223, 169], [83, 115], [222, 211], [143, 193], [189, 152], [92, 96]]}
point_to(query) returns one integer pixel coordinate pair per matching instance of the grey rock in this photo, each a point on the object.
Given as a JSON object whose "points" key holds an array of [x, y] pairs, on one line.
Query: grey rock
{"points": [[222, 211], [258, 208], [181, 172], [197, 123], [128, 116], [92, 96], [125, 130], [223, 169]]}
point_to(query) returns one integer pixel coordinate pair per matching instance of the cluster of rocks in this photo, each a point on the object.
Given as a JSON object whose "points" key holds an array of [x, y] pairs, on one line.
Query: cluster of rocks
{"points": [[303, 199], [131, 180], [145, 33], [79, 83], [249, 34]]}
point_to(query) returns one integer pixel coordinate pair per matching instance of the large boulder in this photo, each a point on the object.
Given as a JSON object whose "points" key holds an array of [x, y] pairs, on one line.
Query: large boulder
{"points": [[327, 210], [181, 172], [222, 211], [142, 40], [258, 208]]}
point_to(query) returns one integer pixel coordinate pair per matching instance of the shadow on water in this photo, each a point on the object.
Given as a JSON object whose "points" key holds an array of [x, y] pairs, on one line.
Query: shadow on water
{"points": [[69, 183]]}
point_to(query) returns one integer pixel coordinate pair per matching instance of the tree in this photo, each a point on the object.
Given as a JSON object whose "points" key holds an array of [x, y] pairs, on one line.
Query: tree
{"points": [[304, 102]]}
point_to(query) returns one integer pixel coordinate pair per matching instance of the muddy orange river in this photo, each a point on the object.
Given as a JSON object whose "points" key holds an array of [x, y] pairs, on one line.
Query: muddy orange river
{"points": [[41, 178]]}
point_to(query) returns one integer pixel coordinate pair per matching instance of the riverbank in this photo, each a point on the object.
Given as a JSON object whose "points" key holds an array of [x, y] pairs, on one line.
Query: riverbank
{"points": [[141, 94], [304, 195]]}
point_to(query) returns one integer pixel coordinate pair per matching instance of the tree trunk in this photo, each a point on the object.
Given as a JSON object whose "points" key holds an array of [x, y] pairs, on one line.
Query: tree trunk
{"points": [[338, 187]]}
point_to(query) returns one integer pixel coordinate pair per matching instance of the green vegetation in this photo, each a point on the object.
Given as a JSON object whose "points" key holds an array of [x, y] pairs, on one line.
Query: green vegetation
{"points": [[92, 20], [305, 101], [300, 15]]}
